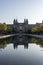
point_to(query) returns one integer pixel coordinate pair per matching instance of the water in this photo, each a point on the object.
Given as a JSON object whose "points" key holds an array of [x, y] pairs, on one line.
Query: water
{"points": [[21, 51]]}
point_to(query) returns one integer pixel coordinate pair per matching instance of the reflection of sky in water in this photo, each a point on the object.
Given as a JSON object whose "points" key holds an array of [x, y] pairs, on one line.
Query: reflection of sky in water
{"points": [[21, 56]]}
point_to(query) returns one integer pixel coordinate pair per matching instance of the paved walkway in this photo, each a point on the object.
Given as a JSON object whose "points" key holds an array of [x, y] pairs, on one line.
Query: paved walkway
{"points": [[36, 36]]}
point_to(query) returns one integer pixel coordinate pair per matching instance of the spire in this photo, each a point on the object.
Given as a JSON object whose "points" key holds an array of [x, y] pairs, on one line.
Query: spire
{"points": [[15, 21], [26, 21]]}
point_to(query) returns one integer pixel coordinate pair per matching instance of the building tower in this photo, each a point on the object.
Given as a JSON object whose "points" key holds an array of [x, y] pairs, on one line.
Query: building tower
{"points": [[15, 21], [26, 21]]}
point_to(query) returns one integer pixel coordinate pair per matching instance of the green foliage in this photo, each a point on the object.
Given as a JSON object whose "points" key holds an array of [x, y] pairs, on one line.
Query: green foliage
{"points": [[4, 27], [38, 28]]}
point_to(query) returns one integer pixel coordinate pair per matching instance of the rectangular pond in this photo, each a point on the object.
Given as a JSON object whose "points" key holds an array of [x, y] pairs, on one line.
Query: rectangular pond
{"points": [[21, 51]]}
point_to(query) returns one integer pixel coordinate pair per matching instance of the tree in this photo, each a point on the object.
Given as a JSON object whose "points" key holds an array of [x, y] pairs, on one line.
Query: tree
{"points": [[4, 28], [38, 29]]}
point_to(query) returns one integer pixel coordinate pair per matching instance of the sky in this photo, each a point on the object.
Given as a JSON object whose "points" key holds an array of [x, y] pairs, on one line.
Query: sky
{"points": [[21, 9]]}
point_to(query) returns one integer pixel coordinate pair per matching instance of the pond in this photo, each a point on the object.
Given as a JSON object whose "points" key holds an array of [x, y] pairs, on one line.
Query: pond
{"points": [[21, 51]]}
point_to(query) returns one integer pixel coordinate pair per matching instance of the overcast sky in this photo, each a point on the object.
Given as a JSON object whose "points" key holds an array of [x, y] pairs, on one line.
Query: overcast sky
{"points": [[20, 9]]}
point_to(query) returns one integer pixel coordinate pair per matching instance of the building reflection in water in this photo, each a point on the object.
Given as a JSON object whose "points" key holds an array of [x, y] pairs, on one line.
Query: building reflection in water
{"points": [[24, 40], [21, 41], [16, 41]]}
